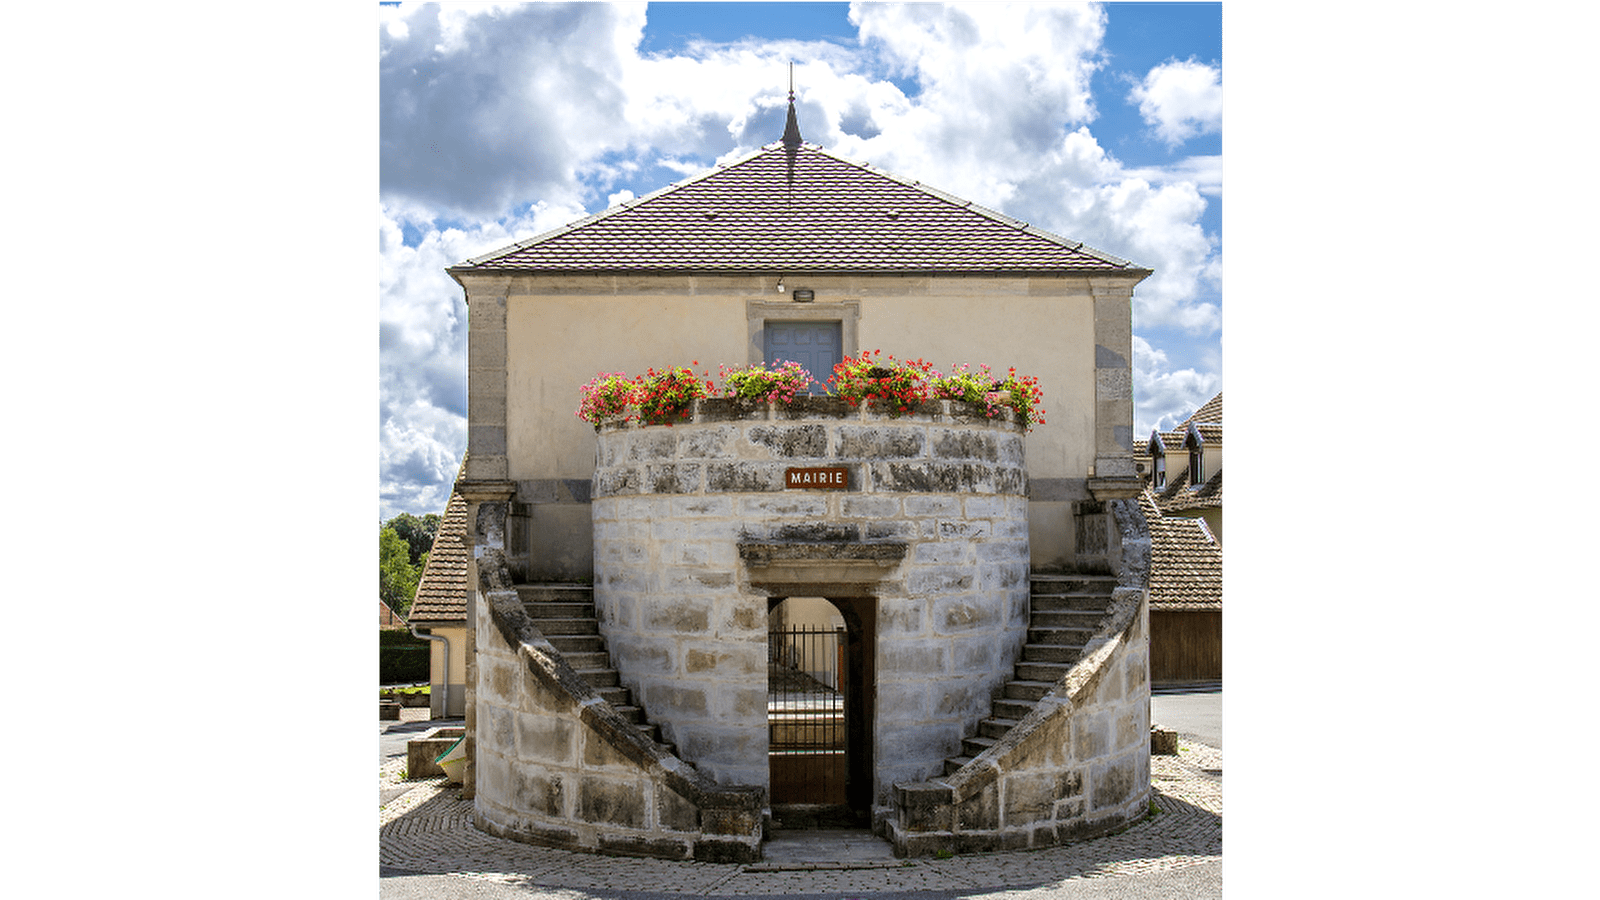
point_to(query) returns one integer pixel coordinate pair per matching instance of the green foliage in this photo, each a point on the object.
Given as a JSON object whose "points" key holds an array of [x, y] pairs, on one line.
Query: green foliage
{"points": [[397, 576], [778, 384], [402, 664], [417, 532]]}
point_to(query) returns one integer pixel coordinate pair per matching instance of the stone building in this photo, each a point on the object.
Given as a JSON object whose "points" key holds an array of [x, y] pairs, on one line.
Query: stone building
{"points": [[989, 688]]}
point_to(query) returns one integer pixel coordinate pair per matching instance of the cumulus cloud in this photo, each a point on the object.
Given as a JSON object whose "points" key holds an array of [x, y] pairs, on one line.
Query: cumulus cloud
{"points": [[1180, 100], [500, 122], [1164, 397]]}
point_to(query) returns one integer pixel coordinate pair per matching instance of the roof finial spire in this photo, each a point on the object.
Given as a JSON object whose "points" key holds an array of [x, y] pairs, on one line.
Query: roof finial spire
{"points": [[791, 129]]}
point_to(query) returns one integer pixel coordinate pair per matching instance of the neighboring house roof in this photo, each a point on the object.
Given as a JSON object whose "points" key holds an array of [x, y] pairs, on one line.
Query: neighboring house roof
{"points": [[442, 592], [1210, 412], [388, 618], [1178, 498], [1185, 561], [804, 210]]}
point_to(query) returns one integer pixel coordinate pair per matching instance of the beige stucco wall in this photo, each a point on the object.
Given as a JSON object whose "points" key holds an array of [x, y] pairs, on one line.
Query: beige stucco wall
{"points": [[457, 636], [560, 332]]}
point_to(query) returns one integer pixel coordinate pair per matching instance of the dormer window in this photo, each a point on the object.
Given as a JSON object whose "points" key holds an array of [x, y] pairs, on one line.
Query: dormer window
{"points": [[1158, 462], [1197, 469]]}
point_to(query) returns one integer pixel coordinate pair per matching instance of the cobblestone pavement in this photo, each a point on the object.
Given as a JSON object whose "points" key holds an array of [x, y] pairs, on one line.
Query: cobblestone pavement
{"points": [[428, 830]]}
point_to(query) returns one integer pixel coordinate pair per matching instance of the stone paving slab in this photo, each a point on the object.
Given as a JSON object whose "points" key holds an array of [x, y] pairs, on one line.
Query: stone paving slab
{"points": [[428, 830]]}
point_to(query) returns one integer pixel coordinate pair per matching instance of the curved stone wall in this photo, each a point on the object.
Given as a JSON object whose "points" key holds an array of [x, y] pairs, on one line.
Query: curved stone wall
{"points": [[695, 528], [1078, 765]]}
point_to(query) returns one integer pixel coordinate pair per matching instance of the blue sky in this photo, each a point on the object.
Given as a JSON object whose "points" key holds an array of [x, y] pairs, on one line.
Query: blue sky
{"points": [[1102, 123]]}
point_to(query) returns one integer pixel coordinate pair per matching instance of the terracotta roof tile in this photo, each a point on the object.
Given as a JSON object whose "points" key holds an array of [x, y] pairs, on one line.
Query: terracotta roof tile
{"points": [[1210, 412], [1185, 562], [442, 592], [836, 215], [1177, 497]]}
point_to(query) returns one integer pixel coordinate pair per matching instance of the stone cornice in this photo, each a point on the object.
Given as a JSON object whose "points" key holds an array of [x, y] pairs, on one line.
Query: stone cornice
{"points": [[485, 491]]}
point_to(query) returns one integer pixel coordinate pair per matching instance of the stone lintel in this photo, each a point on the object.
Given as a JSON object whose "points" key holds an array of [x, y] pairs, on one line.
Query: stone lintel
{"points": [[1115, 488], [477, 490], [820, 562]]}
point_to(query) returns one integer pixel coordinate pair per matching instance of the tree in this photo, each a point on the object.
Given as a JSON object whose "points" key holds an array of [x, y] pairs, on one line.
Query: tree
{"points": [[417, 532], [397, 576]]}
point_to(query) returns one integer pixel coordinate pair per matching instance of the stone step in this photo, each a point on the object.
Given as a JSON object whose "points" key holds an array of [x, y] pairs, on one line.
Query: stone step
{"points": [[996, 727], [537, 593], [1060, 637], [629, 712], [577, 643], [616, 696], [599, 678], [972, 746], [1007, 708], [562, 609], [1070, 584], [568, 626], [1027, 690], [1046, 672], [1086, 619], [1047, 603], [591, 659], [1055, 653], [953, 764]]}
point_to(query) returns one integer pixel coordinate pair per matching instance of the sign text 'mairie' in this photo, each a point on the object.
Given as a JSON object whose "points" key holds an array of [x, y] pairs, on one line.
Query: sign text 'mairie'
{"points": [[821, 478]]}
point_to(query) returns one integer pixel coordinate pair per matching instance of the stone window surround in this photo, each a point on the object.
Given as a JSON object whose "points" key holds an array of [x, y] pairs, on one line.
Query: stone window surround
{"points": [[847, 312]]}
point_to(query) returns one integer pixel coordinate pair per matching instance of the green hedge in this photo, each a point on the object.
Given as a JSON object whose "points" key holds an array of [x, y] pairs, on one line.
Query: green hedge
{"points": [[402, 657]]}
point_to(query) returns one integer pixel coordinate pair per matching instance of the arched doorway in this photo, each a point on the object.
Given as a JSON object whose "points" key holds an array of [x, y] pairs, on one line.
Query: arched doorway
{"points": [[819, 678]]}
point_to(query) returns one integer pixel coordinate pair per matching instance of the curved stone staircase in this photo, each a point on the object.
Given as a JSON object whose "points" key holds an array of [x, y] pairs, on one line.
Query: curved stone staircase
{"points": [[1065, 612], [566, 615]]}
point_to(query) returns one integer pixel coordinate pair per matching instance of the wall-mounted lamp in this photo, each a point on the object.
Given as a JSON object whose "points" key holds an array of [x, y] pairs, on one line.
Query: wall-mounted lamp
{"points": [[780, 284], [803, 296]]}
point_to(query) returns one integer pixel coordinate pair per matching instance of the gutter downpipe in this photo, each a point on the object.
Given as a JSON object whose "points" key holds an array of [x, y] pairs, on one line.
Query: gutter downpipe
{"points": [[444, 704]]}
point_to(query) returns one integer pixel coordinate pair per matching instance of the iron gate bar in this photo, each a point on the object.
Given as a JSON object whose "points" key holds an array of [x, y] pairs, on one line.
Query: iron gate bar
{"points": [[806, 714]]}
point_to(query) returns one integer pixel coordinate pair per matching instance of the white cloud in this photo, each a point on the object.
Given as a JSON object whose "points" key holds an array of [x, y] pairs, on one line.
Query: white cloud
{"points": [[1181, 100], [1165, 397], [484, 112]]}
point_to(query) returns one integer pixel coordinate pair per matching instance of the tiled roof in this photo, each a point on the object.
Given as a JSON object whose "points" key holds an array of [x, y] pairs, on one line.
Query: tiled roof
{"points": [[442, 592], [1210, 412], [835, 215], [1176, 496], [388, 618], [1185, 563]]}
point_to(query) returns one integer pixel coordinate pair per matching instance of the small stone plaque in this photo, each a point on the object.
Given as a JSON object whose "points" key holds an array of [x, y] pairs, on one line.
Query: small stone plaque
{"points": [[819, 478]]}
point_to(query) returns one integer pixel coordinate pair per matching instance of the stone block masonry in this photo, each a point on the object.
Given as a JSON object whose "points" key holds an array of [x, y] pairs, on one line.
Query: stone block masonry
{"points": [[1077, 765], [695, 530], [557, 765]]}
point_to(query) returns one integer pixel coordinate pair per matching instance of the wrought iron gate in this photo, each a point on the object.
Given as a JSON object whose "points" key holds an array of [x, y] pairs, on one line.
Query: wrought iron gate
{"points": [[806, 715]]}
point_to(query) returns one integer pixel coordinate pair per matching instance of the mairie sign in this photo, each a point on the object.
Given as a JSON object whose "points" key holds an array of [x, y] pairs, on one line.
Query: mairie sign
{"points": [[821, 478]]}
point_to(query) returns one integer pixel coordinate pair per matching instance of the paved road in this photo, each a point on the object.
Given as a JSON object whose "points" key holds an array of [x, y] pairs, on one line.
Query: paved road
{"points": [[1195, 716]]}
